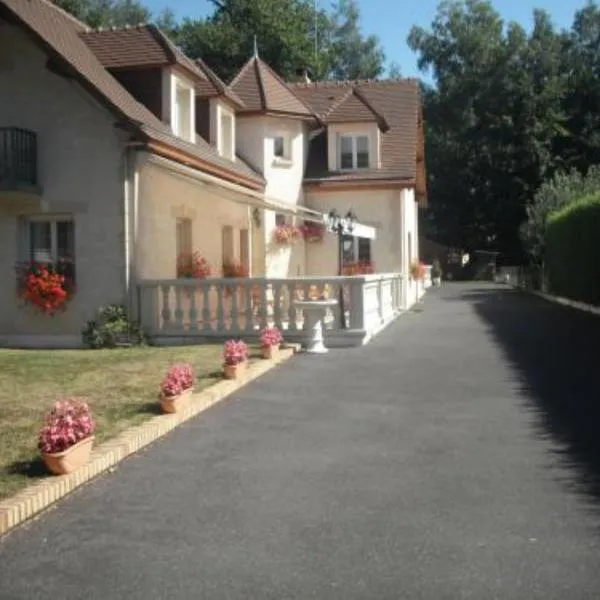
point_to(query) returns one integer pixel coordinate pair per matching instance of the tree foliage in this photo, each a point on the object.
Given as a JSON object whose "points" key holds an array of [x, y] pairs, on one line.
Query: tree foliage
{"points": [[287, 38], [107, 13]]}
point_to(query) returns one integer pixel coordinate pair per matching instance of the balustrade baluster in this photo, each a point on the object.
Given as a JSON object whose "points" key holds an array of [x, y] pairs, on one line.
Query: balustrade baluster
{"points": [[178, 324], [234, 327], [249, 325], [206, 313], [263, 311], [166, 309], [277, 289], [193, 313], [220, 311]]}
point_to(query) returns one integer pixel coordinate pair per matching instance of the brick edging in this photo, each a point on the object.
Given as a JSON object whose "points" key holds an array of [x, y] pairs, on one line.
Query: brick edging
{"points": [[34, 499]]}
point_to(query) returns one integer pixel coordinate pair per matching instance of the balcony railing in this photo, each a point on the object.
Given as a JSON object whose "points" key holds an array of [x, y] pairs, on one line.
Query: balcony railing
{"points": [[18, 159], [179, 310]]}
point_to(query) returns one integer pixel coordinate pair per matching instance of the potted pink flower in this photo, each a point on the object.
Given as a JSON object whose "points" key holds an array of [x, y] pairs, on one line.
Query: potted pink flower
{"points": [[270, 340], [176, 388], [66, 438], [235, 355]]}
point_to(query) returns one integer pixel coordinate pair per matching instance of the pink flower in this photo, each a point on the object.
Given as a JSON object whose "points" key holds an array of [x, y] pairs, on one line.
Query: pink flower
{"points": [[235, 352], [270, 336], [68, 422], [179, 378]]}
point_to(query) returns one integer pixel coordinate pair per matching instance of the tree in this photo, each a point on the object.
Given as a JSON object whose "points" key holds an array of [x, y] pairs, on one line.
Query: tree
{"points": [[394, 70], [107, 13], [284, 30], [490, 121], [287, 38], [353, 56]]}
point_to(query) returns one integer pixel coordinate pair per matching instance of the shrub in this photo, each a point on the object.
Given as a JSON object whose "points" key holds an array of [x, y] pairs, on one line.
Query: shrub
{"points": [[271, 336], [573, 251], [179, 378], [235, 352], [68, 422], [111, 328]]}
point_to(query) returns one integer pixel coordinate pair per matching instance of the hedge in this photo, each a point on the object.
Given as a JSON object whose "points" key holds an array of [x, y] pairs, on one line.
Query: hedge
{"points": [[573, 250]]}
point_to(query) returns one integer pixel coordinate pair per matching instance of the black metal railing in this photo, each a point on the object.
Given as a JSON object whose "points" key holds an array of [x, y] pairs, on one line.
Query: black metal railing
{"points": [[18, 157]]}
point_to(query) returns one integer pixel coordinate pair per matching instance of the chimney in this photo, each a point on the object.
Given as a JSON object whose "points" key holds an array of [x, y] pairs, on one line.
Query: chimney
{"points": [[304, 74]]}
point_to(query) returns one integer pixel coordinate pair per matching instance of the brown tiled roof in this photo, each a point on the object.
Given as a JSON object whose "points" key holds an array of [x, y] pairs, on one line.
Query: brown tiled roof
{"points": [[396, 101], [262, 90], [354, 108], [219, 84], [60, 36]]}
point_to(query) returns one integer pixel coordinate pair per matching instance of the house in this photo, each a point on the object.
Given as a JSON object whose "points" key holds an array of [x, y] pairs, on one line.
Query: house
{"points": [[118, 153]]}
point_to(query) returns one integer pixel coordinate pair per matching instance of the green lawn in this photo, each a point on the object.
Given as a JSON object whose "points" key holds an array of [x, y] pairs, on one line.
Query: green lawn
{"points": [[120, 386]]}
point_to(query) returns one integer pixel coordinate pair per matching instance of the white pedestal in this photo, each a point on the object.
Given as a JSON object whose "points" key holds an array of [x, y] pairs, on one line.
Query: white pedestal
{"points": [[314, 315]]}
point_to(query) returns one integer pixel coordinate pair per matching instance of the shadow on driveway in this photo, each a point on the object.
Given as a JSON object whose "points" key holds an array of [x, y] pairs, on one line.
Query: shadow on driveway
{"points": [[556, 352]]}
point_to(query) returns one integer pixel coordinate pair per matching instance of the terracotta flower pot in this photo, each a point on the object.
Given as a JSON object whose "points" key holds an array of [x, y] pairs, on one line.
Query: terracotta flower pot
{"points": [[235, 371], [71, 459], [270, 351], [174, 404]]}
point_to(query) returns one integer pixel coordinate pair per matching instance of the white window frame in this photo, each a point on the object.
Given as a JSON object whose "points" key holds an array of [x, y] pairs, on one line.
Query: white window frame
{"points": [[286, 159], [228, 152], [354, 137], [52, 220]]}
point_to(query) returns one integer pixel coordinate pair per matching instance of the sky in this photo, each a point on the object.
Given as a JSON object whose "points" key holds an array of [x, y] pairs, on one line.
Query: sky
{"points": [[392, 24]]}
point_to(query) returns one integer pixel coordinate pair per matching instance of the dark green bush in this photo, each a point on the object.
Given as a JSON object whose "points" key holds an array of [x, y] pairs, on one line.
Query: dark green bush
{"points": [[112, 328], [573, 250]]}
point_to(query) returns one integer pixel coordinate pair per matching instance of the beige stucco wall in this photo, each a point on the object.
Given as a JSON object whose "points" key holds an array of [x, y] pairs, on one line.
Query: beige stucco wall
{"points": [[254, 138], [165, 196], [378, 208], [80, 162]]}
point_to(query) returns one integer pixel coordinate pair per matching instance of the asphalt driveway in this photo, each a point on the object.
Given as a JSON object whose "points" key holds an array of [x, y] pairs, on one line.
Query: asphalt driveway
{"points": [[456, 456]]}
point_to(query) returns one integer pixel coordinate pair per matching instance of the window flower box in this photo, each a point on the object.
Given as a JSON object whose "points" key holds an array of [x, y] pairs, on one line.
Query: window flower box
{"points": [[47, 287], [286, 234]]}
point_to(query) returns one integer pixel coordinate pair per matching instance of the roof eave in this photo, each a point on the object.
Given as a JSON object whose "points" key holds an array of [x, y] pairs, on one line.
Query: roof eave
{"points": [[185, 158]]}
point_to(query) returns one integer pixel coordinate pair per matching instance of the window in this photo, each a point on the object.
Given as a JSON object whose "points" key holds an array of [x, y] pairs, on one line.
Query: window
{"points": [[226, 147], [354, 152], [281, 147], [182, 113], [348, 249], [364, 250], [227, 241], [355, 249], [183, 237], [279, 219], [245, 248], [51, 240]]}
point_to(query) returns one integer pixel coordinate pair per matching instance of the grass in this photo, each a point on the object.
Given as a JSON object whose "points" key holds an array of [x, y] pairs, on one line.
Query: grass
{"points": [[120, 386]]}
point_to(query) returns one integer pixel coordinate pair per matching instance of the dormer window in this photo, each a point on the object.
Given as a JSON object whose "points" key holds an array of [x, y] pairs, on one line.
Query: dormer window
{"points": [[354, 152]]}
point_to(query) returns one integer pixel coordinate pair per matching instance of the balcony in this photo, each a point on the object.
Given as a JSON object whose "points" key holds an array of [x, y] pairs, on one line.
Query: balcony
{"points": [[18, 164]]}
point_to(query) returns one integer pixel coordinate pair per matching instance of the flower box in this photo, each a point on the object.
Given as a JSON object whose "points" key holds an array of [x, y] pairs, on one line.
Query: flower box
{"points": [[270, 339], [237, 371], [235, 355], [66, 438], [177, 403], [69, 460], [176, 388], [271, 352]]}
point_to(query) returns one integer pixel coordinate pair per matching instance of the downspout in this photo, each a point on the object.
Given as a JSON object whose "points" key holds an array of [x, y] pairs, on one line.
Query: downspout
{"points": [[130, 223]]}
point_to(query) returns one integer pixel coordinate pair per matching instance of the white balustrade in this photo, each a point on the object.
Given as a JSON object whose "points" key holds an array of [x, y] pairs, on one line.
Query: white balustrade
{"points": [[180, 309]]}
